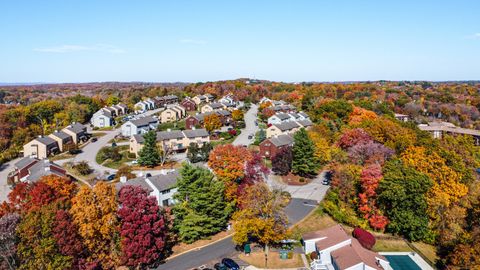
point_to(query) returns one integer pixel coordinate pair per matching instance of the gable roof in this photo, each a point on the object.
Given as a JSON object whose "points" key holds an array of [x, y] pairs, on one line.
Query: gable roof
{"points": [[168, 135], [22, 163], [138, 182], [328, 237], [45, 140], [354, 254], [281, 140], [43, 168], [305, 123], [60, 134], [165, 181], [281, 116], [194, 133], [287, 126], [143, 121], [76, 128], [215, 105]]}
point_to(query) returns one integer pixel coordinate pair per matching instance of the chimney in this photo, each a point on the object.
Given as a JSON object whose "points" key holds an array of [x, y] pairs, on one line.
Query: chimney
{"points": [[169, 129], [123, 179], [40, 136], [193, 127]]}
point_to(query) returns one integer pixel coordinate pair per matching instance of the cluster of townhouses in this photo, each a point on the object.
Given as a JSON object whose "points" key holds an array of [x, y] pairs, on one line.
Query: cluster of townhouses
{"points": [[440, 128], [172, 140], [59, 141], [105, 117], [198, 120], [154, 103]]}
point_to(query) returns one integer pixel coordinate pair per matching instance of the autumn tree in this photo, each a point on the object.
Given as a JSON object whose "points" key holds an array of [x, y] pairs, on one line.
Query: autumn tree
{"points": [[304, 162], [282, 161], [112, 100], [37, 246], [261, 217], [8, 241], [237, 115], [228, 164], [126, 171], [358, 115], [212, 122], [402, 196], [201, 209], [143, 229], [66, 235], [149, 155], [369, 181], [94, 212]]}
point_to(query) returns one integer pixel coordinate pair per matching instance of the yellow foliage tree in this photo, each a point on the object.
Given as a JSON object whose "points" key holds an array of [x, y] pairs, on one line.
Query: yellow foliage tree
{"points": [[212, 122], [358, 115], [237, 115], [447, 188], [94, 212], [261, 216]]}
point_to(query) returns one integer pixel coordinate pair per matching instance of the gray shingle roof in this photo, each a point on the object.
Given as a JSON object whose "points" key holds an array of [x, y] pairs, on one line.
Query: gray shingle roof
{"points": [[194, 133], [144, 121], [77, 128], [165, 181], [287, 126], [46, 140], [139, 182], [216, 105], [60, 134], [282, 116], [281, 140], [224, 112], [138, 138], [305, 123], [168, 135], [24, 162], [42, 168]]}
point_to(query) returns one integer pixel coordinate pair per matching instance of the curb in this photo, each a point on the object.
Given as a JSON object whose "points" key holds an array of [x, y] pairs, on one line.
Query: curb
{"points": [[200, 247]]}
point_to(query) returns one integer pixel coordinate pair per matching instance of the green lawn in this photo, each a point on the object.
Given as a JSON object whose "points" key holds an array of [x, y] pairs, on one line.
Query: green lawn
{"points": [[123, 149]]}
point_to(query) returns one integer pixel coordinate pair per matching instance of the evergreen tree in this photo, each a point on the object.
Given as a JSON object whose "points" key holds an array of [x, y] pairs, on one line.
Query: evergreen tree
{"points": [[149, 155], [201, 209], [304, 162], [198, 154]]}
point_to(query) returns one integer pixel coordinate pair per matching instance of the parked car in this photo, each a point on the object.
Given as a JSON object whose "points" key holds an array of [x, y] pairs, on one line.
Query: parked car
{"points": [[250, 137], [111, 177], [230, 264], [135, 161], [220, 266], [93, 139]]}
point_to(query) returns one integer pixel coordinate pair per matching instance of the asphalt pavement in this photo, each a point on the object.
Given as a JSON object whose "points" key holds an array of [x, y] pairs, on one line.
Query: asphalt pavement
{"points": [[250, 128]]}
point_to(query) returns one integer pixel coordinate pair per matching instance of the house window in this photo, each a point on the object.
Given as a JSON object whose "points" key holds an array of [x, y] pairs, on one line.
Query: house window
{"points": [[165, 202], [165, 191]]}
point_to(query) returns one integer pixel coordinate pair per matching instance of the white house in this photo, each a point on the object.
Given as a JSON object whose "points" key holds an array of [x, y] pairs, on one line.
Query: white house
{"points": [[265, 99], [161, 186], [139, 126], [337, 250], [228, 100], [102, 118], [151, 103], [279, 118], [142, 106]]}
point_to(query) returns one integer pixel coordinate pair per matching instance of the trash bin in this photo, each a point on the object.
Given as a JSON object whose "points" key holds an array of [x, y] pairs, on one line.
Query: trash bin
{"points": [[283, 254]]}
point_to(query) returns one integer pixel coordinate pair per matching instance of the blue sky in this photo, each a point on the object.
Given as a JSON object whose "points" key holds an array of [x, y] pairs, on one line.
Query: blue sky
{"points": [[297, 40]]}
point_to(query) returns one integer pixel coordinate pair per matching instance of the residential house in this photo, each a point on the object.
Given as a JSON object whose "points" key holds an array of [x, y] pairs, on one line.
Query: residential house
{"points": [[161, 186], [189, 104], [209, 97], [41, 147], [139, 125], [110, 110], [30, 169], [265, 99], [142, 106], [171, 99], [63, 139], [272, 146], [283, 108], [229, 101], [402, 117], [198, 119], [102, 118], [120, 109], [288, 127], [199, 99], [439, 128], [174, 140], [279, 118], [173, 113], [337, 250], [78, 132], [213, 107]]}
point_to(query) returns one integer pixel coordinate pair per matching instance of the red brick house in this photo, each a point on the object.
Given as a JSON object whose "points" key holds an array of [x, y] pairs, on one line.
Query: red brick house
{"points": [[270, 147], [197, 120], [192, 121], [32, 169], [189, 104]]}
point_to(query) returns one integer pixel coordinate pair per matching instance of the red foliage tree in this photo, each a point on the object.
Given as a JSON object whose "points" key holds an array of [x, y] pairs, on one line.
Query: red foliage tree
{"points": [[143, 228], [18, 197], [353, 137], [41, 194], [366, 239], [67, 237], [369, 181]]}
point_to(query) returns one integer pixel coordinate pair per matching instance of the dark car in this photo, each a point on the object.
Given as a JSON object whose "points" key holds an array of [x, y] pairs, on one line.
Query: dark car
{"points": [[231, 264], [111, 177], [93, 139], [220, 266]]}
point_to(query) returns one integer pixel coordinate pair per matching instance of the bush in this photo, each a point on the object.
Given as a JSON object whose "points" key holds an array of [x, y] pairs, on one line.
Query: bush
{"points": [[111, 153], [232, 132], [366, 239], [290, 255], [82, 168], [313, 255], [131, 155]]}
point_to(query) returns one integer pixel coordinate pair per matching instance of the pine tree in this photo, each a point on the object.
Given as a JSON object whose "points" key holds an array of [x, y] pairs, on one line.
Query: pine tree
{"points": [[149, 155], [304, 162], [201, 209]]}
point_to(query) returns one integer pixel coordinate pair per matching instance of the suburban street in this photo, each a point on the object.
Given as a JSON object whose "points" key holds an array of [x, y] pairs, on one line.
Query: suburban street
{"points": [[250, 128], [4, 170]]}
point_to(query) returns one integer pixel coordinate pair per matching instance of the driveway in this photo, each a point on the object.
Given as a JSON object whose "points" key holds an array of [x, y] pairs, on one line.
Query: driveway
{"points": [[314, 191], [4, 170], [250, 128]]}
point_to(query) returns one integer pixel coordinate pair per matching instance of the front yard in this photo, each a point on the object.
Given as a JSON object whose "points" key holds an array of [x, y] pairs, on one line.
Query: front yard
{"points": [[257, 259]]}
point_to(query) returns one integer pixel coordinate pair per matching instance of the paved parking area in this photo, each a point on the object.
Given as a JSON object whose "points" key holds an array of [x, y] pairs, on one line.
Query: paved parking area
{"points": [[313, 191]]}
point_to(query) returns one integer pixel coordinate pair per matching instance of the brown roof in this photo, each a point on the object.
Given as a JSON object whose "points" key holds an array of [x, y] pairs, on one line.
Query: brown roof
{"points": [[330, 236], [354, 254]]}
